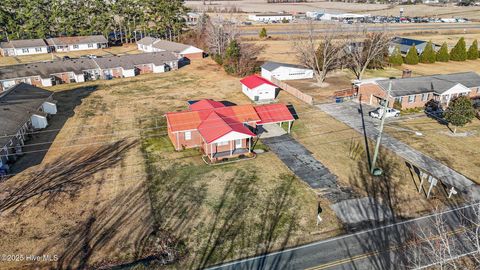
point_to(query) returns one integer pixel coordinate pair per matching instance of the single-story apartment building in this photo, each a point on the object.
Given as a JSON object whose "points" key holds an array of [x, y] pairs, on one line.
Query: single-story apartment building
{"points": [[131, 65], [78, 43], [23, 47], [258, 89], [283, 71], [79, 70], [270, 17], [24, 108], [415, 92], [150, 44], [221, 131]]}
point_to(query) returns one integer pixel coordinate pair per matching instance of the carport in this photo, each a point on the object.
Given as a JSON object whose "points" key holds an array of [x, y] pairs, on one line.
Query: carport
{"points": [[274, 114]]}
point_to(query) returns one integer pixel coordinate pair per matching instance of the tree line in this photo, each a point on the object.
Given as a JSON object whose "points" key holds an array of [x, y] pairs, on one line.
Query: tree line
{"points": [[430, 56], [24, 19]]}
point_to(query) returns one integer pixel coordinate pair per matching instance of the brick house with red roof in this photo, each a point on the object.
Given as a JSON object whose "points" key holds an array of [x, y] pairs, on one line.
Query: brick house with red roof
{"points": [[258, 88], [222, 131]]}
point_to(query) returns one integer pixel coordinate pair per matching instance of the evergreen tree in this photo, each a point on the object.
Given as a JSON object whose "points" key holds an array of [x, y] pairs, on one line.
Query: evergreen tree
{"points": [[232, 57], [428, 55], [442, 54], [473, 51], [460, 112], [396, 59], [412, 56], [459, 52], [263, 33]]}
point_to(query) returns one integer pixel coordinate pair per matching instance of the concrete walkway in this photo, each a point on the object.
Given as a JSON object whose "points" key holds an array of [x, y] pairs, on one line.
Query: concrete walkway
{"points": [[349, 113]]}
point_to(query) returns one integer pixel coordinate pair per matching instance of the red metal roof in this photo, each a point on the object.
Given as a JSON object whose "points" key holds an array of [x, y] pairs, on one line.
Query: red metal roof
{"points": [[217, 126], [215, 122], [253, 81], [273, 113], [205, 104]]}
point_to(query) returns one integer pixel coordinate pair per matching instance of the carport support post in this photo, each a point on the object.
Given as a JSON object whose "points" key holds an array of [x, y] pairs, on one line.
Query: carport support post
{"points": [[377, 147], [289, 126], [422, 178]]}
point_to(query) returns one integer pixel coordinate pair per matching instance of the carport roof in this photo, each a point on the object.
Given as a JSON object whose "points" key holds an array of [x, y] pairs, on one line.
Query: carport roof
{"points": [[273, 113]]}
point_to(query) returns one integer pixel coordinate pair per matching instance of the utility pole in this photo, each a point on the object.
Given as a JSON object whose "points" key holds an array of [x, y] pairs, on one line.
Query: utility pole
{"points": [[373, 170]]}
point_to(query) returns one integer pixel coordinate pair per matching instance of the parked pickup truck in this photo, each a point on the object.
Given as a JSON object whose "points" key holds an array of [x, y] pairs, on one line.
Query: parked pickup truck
{"points": [[378, 113]]}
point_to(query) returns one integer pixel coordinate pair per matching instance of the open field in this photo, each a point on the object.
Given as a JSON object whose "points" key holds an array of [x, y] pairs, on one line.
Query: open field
{"points": [[447, 11], [12, 60], [458, 152]]}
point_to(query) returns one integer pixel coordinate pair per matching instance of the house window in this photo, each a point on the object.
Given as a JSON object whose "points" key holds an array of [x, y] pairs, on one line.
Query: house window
{"points": [[222, 143], [90, 45], [188, 135], [25, 50], [38, 49], [399, 100], [75, 46], [424, 97], [411, 98]]}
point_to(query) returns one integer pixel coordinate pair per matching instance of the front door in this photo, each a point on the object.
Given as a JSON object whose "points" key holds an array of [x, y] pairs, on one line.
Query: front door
{"points": [[238, 143]]}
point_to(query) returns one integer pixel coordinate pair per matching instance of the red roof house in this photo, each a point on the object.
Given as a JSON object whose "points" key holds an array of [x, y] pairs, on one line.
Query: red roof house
{"points": [[258, 88], [221, 131]]}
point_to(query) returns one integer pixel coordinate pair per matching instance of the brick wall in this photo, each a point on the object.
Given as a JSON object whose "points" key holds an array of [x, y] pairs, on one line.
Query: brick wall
{"points": [[144, 69]]}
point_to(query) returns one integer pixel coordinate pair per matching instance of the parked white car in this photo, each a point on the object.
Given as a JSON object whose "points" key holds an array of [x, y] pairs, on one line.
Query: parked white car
{"points": [[378, 113]]}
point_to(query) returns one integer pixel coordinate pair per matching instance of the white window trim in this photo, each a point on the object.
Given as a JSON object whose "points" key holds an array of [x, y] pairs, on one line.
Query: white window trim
{"points": [[410, 98]]}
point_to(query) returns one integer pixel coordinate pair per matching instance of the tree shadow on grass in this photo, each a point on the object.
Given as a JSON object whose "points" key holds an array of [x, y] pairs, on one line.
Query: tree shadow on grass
{"points": [[66, 175], [246, 223]]}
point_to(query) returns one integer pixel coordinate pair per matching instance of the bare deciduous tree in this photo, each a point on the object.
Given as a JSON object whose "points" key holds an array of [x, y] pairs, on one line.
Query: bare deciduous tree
{"points": [[447, 244], [363, 48], [219, 34], [320, 53]]}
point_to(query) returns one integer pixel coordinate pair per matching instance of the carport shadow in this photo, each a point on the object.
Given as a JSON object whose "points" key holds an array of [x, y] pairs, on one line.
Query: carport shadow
{"points": [[293, 111], [38, 143]]}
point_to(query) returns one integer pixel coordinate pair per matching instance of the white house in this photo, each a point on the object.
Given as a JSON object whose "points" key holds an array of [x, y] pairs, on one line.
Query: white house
{"points": [[23, 47], [270, 17], [258, 88], [282, 71], [150, 44], [78, 43]]}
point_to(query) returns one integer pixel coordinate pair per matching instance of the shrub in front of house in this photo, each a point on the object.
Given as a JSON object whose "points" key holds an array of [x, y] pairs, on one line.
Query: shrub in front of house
{"points": [[442, 54], [412, 56], [459, 52]]}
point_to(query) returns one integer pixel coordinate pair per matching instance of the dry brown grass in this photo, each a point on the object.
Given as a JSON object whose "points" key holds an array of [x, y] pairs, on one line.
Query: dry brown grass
{"points": [[458, 152], [91, 212], [11, 60]]}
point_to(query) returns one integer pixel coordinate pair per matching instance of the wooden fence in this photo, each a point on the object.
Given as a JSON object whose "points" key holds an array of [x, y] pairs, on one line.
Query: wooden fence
{"points": [[293, 91]]}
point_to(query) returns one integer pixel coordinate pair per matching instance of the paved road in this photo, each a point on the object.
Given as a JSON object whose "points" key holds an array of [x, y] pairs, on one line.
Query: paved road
{"points": [[392, 28], [379, 248], [349, 113]]}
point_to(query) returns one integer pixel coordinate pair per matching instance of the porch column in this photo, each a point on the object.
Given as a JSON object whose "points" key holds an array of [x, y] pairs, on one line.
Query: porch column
{"points": [[289, 126], [250, 145], [211, 151], [178, 143], [231, 147]]}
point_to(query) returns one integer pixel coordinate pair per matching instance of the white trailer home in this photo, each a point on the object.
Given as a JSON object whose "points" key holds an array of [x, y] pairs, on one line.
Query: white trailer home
{"points": [[259, 89], [282, 71], [23, 47]]}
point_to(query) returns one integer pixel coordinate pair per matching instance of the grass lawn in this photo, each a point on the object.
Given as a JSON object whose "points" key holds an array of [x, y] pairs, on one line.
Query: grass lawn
{"points": [[13, 60], [458, 152], [111, 186]]}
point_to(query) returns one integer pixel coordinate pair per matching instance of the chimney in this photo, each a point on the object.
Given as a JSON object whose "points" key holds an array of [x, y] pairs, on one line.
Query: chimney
{"points": [[407, 73]]}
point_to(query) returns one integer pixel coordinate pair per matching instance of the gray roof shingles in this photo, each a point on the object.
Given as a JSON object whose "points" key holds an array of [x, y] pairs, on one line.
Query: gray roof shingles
{"points": [[428, 84], [129, 61], [16, 107], [271, 66], [23, 43], [63, 41]]}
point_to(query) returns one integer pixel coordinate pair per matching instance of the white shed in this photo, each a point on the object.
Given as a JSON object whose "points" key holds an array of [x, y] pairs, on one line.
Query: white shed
{"points": [[258, 88], [282, 71]]}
